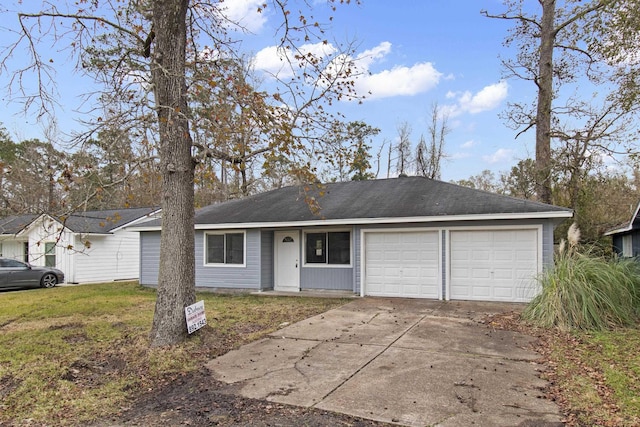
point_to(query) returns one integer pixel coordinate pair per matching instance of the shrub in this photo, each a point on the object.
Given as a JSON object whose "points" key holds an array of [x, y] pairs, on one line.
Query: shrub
{"points": [[587, 291]]}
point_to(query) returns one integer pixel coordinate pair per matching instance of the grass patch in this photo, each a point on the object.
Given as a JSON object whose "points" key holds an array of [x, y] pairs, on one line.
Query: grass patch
{"points": [[596, 376], [70, 355]]}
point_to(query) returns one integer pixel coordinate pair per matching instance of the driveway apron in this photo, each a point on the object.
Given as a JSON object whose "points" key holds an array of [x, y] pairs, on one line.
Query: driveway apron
{"points": [[408, 362]]}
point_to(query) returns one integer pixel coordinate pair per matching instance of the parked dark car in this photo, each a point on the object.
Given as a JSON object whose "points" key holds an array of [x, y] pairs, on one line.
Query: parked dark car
{"points": [[18, 274]]}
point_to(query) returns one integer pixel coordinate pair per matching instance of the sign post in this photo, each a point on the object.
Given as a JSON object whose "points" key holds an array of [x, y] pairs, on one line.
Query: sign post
{"points": [[195, 316]]}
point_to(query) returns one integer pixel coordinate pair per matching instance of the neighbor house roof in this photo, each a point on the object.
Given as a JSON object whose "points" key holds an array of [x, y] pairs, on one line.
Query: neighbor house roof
{"points": [[88, 222], [634, 223], [105, 221], [16, 223], [405, 199]]}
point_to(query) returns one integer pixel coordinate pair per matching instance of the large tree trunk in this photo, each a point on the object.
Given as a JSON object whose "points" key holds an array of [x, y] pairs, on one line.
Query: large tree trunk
{"points": [[176, 279], [545, 97]]}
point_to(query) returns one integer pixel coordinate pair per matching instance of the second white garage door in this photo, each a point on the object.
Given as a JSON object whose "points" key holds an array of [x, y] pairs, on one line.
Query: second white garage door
{"points": [[402, 264], [493, 265]]}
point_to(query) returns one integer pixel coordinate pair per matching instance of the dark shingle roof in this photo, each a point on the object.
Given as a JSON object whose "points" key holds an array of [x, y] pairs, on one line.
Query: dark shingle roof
{"points": [[101, 222], [93, 222], [628, 226], [386, 198], [16, 223]]}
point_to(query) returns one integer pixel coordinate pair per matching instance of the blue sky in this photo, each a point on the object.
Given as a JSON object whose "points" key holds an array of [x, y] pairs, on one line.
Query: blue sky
{"points": [[417, 53]]}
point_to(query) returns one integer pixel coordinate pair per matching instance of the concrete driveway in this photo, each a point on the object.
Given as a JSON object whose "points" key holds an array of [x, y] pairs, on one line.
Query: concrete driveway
{"points": [[409, 362]]}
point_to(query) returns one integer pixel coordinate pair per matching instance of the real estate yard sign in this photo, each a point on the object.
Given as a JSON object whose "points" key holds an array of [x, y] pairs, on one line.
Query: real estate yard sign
{"points": [[195, 315]]}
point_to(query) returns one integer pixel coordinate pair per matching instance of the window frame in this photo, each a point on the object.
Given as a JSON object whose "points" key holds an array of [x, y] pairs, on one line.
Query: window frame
{"points": [[50, 253], [205, 248], [326, 263], [627, 246]]}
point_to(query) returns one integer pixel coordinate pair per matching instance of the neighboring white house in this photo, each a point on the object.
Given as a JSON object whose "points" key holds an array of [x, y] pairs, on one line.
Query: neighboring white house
{"points": [[90, 246]]}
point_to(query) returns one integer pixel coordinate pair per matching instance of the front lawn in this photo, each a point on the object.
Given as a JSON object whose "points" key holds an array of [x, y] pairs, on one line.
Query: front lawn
{"points": [[589, 309], [70, 355], [595, 376]]}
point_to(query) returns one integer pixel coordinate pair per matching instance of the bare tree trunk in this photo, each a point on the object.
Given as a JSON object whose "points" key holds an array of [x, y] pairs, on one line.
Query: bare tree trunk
{"points": [[404, 147], [176, 279], [50, 185], [389, 159], [545, 96]]}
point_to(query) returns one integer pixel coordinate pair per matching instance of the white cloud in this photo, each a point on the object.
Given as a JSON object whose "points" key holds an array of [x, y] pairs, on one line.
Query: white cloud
{"points": [[366, 58], [469, 144], [501, 155], [273, 60], [399, 80], [270, 59], [486, 99], [396, 81], [244, 13]]}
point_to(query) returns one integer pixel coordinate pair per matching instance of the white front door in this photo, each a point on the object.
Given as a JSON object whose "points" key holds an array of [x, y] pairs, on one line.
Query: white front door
{"points": [[287, 261]]}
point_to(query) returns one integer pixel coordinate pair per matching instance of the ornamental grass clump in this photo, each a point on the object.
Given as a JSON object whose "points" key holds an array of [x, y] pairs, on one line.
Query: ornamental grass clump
{"points": [[586, 291]]}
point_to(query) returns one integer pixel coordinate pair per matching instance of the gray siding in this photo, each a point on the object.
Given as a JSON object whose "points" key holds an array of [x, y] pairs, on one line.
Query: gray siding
{"points": [[266, 260], [231, 277], [149, 257], [616, 241], [357, 259], [258, 273], [443, 255], [547, 244], [635, 242], [331, 278], [338, 278]]}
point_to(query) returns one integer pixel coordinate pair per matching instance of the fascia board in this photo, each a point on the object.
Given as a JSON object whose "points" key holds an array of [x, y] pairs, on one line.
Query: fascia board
{"points": [[131, 224], [629, 226], [367, 221], [403, 220], [619, 230]]}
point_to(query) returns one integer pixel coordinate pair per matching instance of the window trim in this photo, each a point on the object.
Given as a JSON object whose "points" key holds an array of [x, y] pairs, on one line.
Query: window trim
{"points": [[326, 263], [224, 264], [627, 246], [50, 253]]}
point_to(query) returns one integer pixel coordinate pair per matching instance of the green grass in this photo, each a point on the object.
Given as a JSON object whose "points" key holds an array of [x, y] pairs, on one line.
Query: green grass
{"points": [[587, 292], [598, 375], [70, 355]]}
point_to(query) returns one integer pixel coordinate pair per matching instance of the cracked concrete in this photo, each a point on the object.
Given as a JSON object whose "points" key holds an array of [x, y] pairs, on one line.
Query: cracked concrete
{"points": [[408, 362]]}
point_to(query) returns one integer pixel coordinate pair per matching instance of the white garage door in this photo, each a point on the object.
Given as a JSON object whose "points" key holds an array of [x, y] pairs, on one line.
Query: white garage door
{"points": [[491, 265], [402, 264]]}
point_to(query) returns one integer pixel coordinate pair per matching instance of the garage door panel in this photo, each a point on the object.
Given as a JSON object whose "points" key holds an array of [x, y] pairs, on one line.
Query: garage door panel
{"points": [[481, 292], [507, 255], [408, 265], [478, 255], [499, 274], [493, 265], [503, 292]]}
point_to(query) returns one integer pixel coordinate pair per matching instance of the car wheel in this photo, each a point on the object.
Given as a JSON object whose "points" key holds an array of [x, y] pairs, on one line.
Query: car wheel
{"points": [[49, 280]]}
